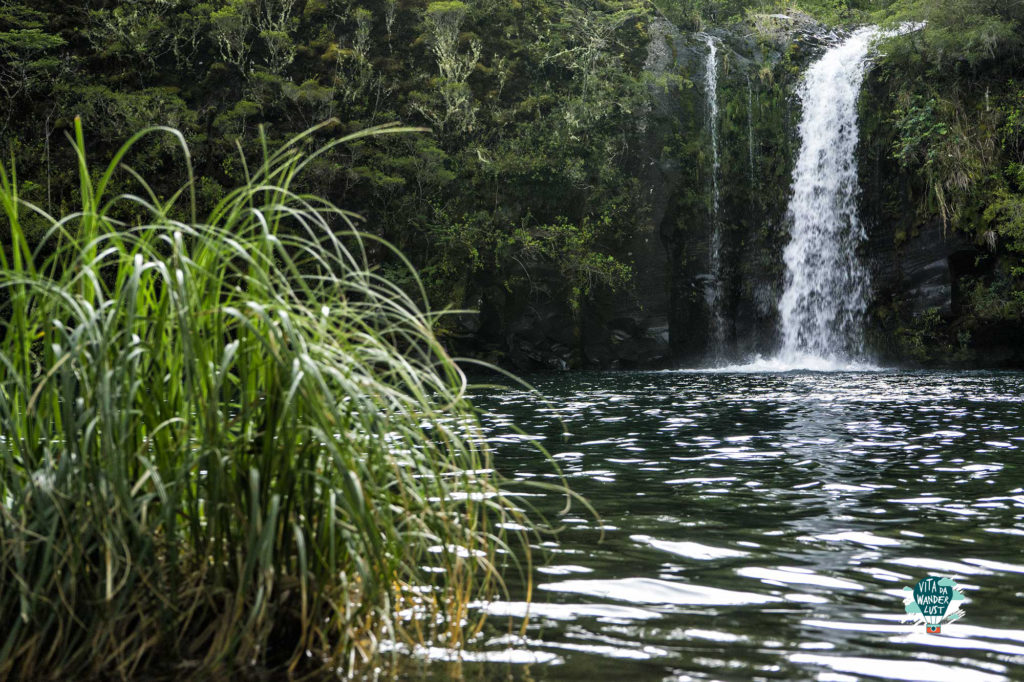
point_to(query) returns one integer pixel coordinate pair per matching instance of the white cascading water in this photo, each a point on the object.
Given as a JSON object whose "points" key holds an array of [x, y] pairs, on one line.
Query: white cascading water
{"points": [[826, 292], [750, 129], [715, 296]]}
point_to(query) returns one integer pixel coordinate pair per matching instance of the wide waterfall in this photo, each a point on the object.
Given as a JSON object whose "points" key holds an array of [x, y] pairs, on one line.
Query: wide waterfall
{"points": [[715, 289], [826, 289]]}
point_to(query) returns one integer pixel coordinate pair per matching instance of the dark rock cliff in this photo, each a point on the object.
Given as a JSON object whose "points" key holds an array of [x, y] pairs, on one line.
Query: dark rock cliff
{"points": [[922, 269]]}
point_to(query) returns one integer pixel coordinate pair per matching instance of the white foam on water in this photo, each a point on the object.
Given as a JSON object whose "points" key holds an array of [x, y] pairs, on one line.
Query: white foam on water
{"points": [[800, 362]]}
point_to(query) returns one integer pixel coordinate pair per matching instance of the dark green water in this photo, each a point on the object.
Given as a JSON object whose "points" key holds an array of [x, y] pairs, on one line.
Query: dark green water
{"points": [[762, 526]]}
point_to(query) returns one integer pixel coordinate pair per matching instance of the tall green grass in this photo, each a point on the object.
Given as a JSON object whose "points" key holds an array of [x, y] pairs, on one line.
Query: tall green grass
{"points": [[226, 442]]}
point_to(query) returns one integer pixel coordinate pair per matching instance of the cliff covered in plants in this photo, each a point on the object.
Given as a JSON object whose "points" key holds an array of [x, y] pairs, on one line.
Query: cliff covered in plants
{"points": [[943, 173], [530, 109], [940, 158], [569, 183]]}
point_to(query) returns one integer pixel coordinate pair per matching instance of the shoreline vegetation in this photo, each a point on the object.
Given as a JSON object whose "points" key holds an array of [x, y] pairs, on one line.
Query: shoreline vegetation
{"points": [[228, 445]]}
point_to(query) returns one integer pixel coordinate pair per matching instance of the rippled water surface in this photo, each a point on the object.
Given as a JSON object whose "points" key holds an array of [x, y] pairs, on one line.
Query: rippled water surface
{"points": [[764, 525]]}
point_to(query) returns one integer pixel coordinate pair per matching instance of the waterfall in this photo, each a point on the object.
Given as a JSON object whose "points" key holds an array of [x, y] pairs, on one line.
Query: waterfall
{"points": [[711, 93], [750, 129], [826, 290], [716, 289]]}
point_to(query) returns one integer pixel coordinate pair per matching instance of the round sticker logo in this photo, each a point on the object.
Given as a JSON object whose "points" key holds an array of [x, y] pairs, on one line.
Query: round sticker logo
{"points": [[934, 601]]}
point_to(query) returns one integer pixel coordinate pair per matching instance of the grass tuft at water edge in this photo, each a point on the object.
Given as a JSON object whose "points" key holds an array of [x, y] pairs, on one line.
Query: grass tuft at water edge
{"points": [[226, 443]]}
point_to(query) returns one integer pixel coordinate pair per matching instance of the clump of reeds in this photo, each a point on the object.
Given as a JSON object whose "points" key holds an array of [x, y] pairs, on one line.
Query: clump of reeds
{"points": [[226, 442]]}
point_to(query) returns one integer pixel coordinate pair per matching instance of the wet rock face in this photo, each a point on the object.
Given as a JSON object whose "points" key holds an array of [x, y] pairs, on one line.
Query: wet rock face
{"points": [[541, 338], [917, 275], [609, 332], [533, 328]]}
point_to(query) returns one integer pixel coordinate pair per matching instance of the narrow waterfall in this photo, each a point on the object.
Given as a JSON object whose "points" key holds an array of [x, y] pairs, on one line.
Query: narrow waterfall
{"points": [[826, 290], [750, 128], [711, 93], [716, 288]]}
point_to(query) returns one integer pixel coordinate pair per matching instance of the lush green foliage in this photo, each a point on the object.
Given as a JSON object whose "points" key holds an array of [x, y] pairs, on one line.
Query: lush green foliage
{"points": [[533, 106], [701, 14], [225, 443], [956, 105], [541, 115]]}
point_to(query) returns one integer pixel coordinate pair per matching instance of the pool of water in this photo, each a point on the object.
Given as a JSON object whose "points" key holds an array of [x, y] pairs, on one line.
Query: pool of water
{"points": [[762, 526]]}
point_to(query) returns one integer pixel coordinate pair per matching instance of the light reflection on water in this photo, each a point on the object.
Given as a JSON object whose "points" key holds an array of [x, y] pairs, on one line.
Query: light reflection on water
{"points": [[763, 525]]}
